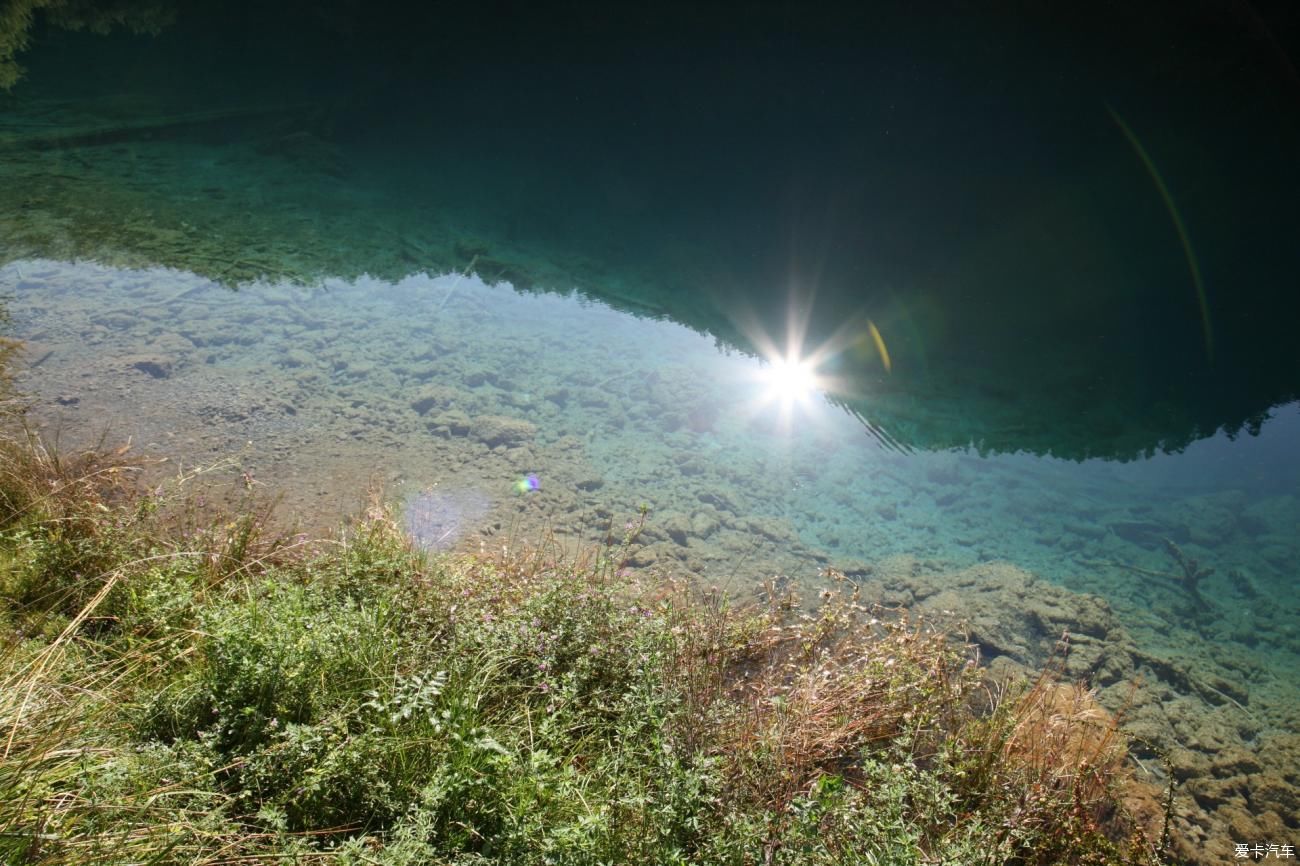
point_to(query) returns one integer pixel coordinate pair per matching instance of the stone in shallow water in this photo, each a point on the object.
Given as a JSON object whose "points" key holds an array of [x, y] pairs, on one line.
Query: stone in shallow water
{"points": [[438, 519], [157, 366], [493, 430]]}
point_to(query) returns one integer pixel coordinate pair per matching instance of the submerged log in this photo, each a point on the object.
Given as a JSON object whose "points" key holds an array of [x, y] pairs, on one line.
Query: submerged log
{"points": [[154, 127]]}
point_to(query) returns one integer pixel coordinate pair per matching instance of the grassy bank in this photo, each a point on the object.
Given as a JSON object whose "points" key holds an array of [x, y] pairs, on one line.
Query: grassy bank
{"points": [[186, 689]]}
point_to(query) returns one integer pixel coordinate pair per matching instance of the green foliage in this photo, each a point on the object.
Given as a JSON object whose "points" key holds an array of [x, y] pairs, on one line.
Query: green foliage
{"points": [[18, 17], [198, 694]]}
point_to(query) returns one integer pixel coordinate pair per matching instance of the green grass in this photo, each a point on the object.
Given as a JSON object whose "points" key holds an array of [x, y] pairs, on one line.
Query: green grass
{"points": [[178, 689]]}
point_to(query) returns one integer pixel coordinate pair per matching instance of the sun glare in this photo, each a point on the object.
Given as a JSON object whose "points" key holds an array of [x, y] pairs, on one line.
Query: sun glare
{"points": [[790, 381]]}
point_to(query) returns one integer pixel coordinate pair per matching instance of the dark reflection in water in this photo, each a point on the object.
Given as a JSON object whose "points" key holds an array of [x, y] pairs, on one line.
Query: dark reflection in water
{"points": [[1071, 230]]}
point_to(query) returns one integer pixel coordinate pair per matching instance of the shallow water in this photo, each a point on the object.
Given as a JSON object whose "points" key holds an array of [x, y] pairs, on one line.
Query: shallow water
{"points": [[449, 392], [529, 291]]}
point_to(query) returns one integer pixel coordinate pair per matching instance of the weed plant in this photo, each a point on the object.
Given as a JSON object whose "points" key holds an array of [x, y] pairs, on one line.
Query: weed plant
{"points": [[175, 690]]}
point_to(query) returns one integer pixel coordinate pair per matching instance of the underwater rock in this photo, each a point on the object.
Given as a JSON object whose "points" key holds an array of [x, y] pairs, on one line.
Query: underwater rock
{"points": [[453, 423], [1010, 612], [690, 465], [944, 500], [703, 524], [677, 527], [703, 417], [593, 400], [1223, 689], [721, 498], [1096, 661], [1235, 761], [663, 554], [1089, 531], [1236, 785], [1268, 788], [360, 368], [170, 344], [308, 379], [1208, 517], [156, 366], [854, 569], [475, 377], [1054, 614], [494, 430], [298, 358], [589, 483], [1217, 793], [435, 397], [116, 321], [772, 529]]}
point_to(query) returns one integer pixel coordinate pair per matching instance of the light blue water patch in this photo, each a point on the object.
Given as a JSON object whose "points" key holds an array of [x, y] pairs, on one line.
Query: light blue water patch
{"points": [[441, 519]]}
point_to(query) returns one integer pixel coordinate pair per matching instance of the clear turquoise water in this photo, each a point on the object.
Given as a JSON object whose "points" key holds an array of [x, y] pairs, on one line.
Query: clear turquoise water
{"points": [[445, 383]]}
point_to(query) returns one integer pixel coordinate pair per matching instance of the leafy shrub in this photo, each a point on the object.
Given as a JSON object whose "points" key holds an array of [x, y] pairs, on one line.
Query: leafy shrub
{"points": [[216, 698]]}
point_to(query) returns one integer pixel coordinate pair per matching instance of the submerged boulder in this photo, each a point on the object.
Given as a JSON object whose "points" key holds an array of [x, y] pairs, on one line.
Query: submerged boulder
{"points": [[154, 365], [494, 430]]}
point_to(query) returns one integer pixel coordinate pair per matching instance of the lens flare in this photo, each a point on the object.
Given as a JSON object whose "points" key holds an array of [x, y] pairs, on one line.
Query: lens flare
{"points": [[790, 381], [528, 483]]}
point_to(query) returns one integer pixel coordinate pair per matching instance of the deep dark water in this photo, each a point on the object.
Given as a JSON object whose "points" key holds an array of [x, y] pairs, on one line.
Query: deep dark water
{"points": [[1074, 229]]}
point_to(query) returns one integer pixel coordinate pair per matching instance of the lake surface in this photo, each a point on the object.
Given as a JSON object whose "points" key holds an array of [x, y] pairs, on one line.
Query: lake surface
{"points": [[1045, 297]]}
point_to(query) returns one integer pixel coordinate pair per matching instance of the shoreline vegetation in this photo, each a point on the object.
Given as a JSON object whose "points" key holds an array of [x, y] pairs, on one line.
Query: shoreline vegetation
{"points": [[179, 686]]}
